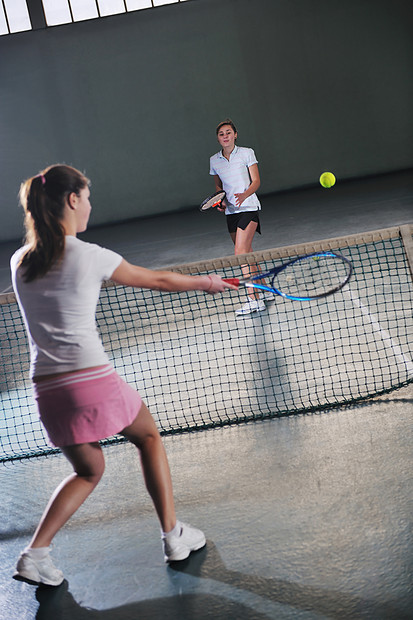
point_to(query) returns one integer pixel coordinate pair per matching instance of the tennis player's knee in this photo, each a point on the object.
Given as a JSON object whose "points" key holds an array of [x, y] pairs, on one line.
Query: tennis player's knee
{"points": [[143, 429], [92, 472], [144, 439], [87, 461], [151, 439]]}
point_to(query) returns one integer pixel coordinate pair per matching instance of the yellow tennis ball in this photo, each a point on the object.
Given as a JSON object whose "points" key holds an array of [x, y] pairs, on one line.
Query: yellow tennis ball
{"points": [[327, 179]]}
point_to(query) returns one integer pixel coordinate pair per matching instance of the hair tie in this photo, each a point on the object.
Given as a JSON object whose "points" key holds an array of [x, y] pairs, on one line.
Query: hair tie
{"points": [[43, 178]]}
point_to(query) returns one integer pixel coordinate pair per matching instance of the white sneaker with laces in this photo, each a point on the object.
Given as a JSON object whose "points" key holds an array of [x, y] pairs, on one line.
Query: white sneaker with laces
{"points": [[252, 305], [179, 543], [35, 566]]}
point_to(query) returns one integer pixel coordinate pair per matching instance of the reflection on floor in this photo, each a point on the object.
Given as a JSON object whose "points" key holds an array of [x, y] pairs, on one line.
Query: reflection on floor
{"points": [[306, 517]]}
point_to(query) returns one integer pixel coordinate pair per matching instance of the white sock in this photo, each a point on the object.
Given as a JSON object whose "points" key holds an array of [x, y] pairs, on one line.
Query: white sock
{"points": [[174, 532], [37, 553]]}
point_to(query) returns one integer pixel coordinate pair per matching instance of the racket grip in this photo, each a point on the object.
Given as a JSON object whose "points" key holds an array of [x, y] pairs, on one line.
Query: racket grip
{"points": [[234, 281]]}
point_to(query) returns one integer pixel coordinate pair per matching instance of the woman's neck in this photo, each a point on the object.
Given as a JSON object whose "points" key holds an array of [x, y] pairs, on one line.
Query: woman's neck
{"points": [[227, 151]]}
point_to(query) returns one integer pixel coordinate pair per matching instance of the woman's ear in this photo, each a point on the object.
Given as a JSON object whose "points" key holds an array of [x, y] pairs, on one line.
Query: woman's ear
{"points": [[72, 200]]}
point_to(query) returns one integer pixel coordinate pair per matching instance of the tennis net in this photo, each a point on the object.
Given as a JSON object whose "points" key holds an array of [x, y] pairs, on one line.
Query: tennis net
{"points": [[198, 365]]}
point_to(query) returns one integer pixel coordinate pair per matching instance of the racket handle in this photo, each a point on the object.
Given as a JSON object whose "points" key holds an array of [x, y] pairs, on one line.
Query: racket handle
{"points": [[234, 281]]}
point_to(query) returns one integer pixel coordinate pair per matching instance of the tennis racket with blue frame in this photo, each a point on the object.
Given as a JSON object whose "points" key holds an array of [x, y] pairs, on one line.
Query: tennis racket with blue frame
{"points": [[307, 277]]}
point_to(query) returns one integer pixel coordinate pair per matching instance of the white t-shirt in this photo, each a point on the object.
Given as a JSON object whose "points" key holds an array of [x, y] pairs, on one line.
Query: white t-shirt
{"points": [[59, 308], [235, 177]]}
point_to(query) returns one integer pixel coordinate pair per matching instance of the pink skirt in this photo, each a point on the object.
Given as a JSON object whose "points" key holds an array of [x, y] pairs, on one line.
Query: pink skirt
{"points": [[86, 406]]}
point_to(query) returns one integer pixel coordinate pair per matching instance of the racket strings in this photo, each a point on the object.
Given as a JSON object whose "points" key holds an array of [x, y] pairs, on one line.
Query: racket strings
{"points": [[212, 201], [312, 277]]}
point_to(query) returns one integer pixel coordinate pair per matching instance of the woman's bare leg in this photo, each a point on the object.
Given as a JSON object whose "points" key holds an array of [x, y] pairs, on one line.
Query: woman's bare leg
{"points": [[144, 434], [88, 464], [243, 245]]}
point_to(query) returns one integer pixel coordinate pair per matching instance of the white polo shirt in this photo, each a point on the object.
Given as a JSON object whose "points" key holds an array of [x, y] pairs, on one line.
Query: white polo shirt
{"points": [[59, 308], [235, 177]]}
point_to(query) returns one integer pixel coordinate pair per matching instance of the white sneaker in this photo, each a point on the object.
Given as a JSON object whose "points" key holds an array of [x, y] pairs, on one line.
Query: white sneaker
{"points": [[267, 296], [177, 547], [252, 305], [35, 570]]}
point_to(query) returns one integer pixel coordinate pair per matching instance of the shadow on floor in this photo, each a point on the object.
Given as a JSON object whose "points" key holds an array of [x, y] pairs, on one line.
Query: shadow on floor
{"points": [[59, 604]]}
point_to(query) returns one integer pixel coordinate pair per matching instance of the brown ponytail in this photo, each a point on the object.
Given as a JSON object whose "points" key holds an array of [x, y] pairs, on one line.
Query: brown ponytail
{"points": [[43, 198]]}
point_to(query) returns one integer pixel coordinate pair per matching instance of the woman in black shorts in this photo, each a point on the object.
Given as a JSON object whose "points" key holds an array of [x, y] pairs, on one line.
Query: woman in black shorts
{"points": [[235, 170]]}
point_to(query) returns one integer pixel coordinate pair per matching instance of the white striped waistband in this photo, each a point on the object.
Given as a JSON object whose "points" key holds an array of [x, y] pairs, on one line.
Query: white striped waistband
{"points": [[73, 378]]}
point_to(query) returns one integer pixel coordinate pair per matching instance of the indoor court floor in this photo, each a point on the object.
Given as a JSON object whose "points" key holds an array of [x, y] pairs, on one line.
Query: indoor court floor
{"points": [[306, 516]]}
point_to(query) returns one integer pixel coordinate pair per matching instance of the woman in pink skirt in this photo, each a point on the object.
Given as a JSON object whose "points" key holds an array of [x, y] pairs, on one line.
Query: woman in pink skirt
{"points": [[80, 397]]}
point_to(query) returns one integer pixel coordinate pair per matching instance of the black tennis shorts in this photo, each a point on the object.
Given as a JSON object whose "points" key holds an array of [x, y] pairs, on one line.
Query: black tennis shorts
{"points": [[241, 220]]}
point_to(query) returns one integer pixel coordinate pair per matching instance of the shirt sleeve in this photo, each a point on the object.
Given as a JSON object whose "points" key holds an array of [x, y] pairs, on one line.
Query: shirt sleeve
{"points": [[211, 165], [250, 158], [106, 262]]}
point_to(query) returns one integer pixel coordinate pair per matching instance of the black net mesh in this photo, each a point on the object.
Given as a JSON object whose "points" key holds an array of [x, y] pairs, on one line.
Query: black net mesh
{"points": [[198, 365]]}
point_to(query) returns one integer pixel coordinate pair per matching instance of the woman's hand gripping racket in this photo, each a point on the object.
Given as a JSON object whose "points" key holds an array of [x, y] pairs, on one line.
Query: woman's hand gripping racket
{"points": [[213, 201], [303, 278]]}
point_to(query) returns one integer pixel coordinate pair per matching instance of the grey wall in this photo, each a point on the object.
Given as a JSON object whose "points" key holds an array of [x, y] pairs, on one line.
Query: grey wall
{"points": [[133, 99]]}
